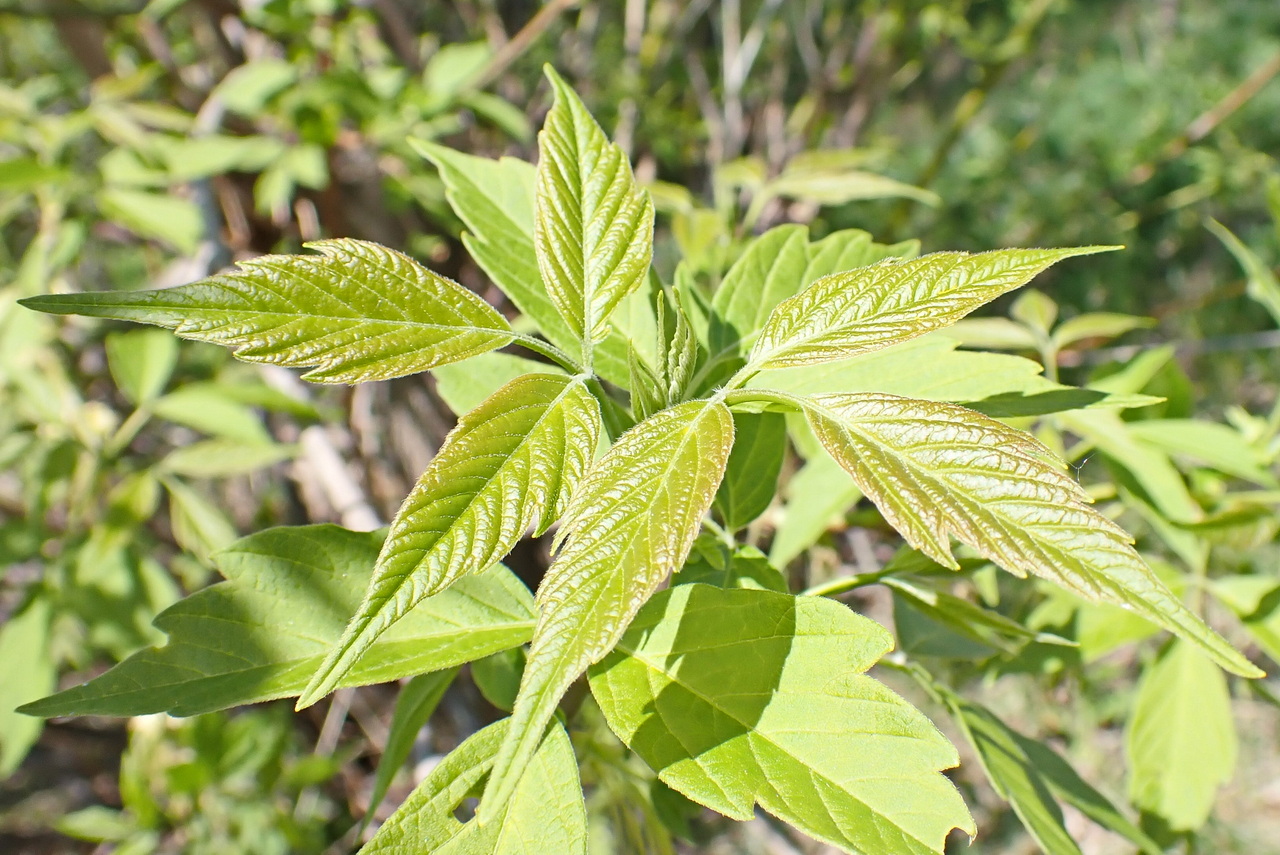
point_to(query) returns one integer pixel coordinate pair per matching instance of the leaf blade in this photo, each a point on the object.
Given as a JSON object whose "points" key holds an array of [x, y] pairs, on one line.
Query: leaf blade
{"points": [[861, 310], [936, 470], [509, 464], [356, 312], [593, 228], [631, 524]]}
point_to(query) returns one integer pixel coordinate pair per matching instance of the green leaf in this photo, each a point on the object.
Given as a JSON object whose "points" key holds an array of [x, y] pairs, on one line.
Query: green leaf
{"points": [[1262, 284], [498, 677], [262, 633], [141, 362], [545, 814], [1097, 325], [494, 199], [160, 216], [416, 702], [1035, 310], [992, 334], [1181, 742], [1029, 775], [751, 477], [1210, 443], [869, 308], [211, 408], [738, 697], [593, 229], [712, 562], [219, 458], [509, 465], [358, 311], [630, 524], [937, 469], [817, 497], [27, 671]]}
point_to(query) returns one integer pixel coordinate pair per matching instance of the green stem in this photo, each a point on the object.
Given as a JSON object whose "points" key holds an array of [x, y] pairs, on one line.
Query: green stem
{"points": [[550, 351], [846, 584]]}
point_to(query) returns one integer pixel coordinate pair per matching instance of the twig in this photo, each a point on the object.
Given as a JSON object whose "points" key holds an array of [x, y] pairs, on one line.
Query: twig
{"points": [[519, 43]]}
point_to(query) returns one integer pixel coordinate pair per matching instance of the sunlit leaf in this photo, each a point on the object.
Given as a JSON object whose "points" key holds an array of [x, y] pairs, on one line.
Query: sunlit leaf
{"points": [[937, 469], [630, 524], [262, 633], [739, 697], [1181, 741], [845, 314], [593, 229], [357, 312], [545, 814], [509, 465]]}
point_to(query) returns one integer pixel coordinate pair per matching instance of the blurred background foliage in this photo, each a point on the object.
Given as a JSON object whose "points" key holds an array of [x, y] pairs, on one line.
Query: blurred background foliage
{"points": [[148, 144]]}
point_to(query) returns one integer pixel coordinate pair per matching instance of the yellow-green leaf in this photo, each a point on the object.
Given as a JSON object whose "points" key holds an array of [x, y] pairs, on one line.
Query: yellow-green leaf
{"points": [[593, 228], [938, 469], [630, 524], [509, 465], [357, 311], [868, 308]]}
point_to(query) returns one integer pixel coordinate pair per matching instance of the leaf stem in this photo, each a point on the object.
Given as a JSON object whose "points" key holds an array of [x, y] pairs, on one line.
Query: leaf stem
{"points": [[550, 351], [738, 396], [847, 583]]}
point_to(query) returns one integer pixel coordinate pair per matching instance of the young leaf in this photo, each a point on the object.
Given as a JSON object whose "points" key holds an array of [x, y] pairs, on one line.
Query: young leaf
{"points": [[712, 562], [938, 469], [738, 697], [509, 464], [631, 524], [593, 229], [751, 477], [544, 815], [357, 312], [1181, 742], [845, 314], [1029, 775], [262, 633]]}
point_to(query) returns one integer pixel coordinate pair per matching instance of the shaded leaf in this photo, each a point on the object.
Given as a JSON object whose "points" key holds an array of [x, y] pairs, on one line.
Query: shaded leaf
{"points": [[845, 314], [262, 633], [802, 731], [141, 362], [712, 562], [464, 386], [415, 703], [935, 470], [593, 229], [357, 312], [509, 465], [630, 524], [545, 813], [1181, 742], [751, 478]]}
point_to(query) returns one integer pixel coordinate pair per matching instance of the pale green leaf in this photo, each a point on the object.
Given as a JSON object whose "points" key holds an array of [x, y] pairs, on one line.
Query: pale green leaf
{"points": [[838, 187], [544, 815], [1181, 742], [739, 697], [1261, 283], [199, 526], [751, 477], [593, 229], [416, 702], [220, 458], [1256, 601], [141, 362], [357, 312], [992, 334], [1097, 325], [509, 465], [160, 216], [817, 497], [936, 469], [630, 524], [1032, 777], [1036, 310], [27, 672], [211, 408], [869, 308], [1206, 442], [262, 633], [494, 199], [464, 386]]}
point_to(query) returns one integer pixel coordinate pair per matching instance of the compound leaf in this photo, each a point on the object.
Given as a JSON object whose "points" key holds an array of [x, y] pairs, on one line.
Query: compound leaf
{"points": [[738, 697], [936, 469], [593, 229], [261, 634], [544, 815], [357, 312], [868, 308], [630, 524], [510, 464]]}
